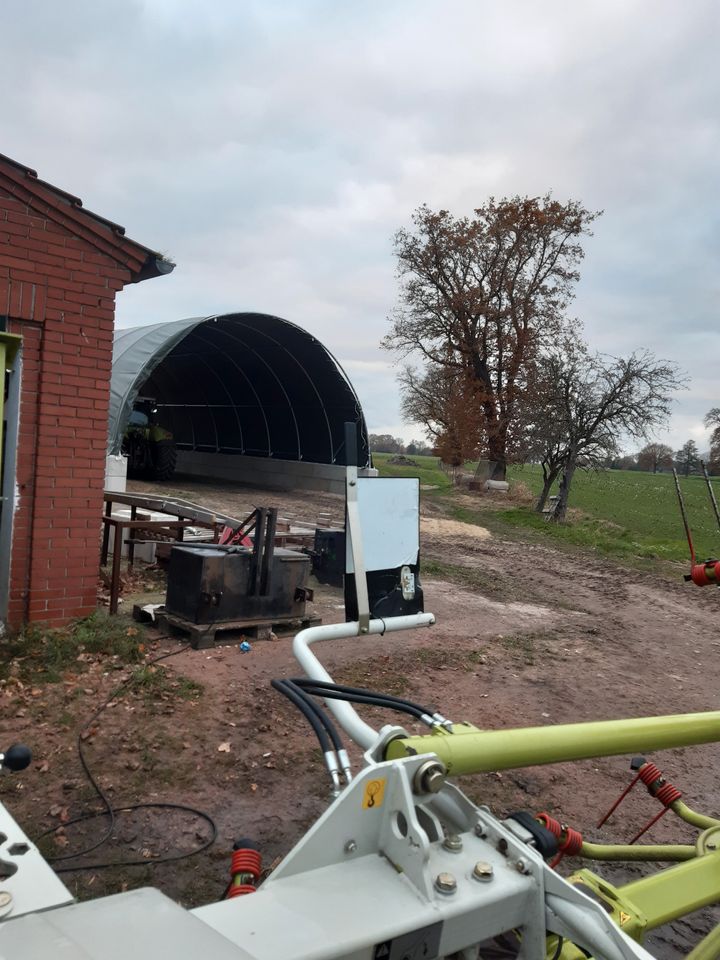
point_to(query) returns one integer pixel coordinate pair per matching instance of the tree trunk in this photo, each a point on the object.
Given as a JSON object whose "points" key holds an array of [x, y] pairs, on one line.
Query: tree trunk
{"points": [[496, 456], [564, 493], [545, 492]]}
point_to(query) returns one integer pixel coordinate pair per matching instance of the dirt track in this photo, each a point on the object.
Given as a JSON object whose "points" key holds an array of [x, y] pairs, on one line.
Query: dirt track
{"points": [[530, 636]]}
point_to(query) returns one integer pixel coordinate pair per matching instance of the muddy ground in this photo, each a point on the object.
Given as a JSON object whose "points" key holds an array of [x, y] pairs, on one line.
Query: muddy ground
{"points": [[525, 635]]}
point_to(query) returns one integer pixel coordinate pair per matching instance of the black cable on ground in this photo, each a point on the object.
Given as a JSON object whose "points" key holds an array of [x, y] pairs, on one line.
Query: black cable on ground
{"points": [[168, 858], [320, 713], [111, 811], [325, 685]]}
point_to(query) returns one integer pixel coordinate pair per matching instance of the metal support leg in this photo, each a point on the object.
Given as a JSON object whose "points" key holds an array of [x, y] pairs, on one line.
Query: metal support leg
{"points": [[117, 559]]}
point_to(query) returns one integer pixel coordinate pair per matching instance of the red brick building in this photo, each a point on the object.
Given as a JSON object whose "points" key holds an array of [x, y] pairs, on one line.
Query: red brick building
{"points": [[60, 269]]}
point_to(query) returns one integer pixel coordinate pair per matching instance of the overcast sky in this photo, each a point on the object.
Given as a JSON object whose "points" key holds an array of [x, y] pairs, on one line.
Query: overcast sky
{"points": [[273, 148]]}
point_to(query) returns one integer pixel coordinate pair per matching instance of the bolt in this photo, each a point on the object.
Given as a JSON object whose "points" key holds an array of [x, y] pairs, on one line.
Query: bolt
{"points": [[480, 831], [482, 871], [350, 847], [429, 777], [453, 843], [5, 901], [502, 845], [445, 883], [521, 867]]}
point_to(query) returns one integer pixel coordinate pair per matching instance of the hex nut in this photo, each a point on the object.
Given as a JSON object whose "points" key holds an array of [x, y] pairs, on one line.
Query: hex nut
{"points": [[445, 883], [453, 843], [350, 846], [482, 871], [429, 777]]}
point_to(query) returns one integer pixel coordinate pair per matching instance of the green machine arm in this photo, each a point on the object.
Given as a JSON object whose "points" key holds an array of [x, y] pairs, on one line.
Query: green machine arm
{"points": [[469, 750]]}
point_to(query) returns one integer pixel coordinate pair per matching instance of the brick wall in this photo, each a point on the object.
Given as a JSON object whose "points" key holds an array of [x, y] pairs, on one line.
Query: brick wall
{"points": [[58, 289]]}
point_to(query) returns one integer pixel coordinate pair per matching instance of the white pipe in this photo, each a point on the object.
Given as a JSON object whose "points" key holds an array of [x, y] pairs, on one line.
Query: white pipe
{"points": [[356, 728]]}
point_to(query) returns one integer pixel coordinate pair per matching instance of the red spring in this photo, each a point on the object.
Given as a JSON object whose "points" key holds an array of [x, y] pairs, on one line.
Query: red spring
{"points": [[649, 773], [246, 860], [245, 866], [569, 841], [550, 823], [703, 574], [240, 890], [666, 792]]}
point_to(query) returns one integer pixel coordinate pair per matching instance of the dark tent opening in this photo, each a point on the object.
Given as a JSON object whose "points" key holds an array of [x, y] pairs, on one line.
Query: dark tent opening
{"points": [[242, 384]]}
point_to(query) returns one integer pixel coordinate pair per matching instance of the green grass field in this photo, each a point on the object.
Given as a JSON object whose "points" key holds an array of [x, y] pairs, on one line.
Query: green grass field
{"points": [[620, 512]]}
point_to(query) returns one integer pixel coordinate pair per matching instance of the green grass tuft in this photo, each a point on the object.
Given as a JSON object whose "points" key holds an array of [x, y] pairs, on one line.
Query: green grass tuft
{"points": [[37, 654]]}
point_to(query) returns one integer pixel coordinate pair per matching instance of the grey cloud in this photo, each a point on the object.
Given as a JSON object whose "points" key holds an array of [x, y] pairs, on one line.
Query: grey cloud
{"points": [[273, 150]]}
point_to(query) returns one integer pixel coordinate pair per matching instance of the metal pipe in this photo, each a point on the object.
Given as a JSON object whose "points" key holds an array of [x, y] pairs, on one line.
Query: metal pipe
{"points": [[356, 728], [469, 750], [672, 893], [649, 852], [692, 816]]}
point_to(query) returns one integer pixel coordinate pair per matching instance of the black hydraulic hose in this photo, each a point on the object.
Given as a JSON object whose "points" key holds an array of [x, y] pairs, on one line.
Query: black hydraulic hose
{"points": [[325, 685], [371, 700], [319, 712], [309, 714]]}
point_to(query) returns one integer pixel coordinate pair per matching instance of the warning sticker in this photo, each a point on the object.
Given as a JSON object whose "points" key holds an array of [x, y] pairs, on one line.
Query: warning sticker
{"points": [[374, 793], [624, 917]]}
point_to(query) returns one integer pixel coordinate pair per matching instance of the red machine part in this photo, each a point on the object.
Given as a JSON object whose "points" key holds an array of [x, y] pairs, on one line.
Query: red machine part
{"points": [[245, 868], [703, 574], [569, 841], [664, 791]]}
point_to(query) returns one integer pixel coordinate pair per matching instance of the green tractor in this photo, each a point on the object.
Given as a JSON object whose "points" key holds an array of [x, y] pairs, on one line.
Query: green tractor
{"points": [[149, 447]]}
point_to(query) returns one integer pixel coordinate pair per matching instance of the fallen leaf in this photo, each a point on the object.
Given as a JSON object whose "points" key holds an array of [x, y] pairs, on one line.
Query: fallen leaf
{"points": [[253, 787]]}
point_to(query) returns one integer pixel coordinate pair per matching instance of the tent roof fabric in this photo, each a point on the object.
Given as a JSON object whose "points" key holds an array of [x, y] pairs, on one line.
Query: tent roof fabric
{"points": [[242, 383]]}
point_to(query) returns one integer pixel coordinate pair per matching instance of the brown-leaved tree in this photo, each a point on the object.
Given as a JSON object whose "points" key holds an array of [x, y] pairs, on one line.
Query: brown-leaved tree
{"points": [[655, 456], [481, 295]]}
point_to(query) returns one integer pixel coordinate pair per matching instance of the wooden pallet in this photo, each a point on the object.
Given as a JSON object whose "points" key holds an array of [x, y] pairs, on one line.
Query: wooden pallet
{"points": [[205, 635]]}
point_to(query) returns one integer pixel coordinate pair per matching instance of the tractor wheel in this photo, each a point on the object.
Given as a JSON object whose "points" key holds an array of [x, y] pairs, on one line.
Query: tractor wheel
{"points": [[164, 460]]}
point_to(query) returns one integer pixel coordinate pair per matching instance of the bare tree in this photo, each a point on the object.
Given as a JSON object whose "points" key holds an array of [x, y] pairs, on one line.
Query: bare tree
{"points": [[481, 295], [600, 400], [655, 456]]}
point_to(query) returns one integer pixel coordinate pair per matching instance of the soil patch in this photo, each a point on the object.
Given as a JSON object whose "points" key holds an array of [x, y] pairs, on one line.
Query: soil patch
{"points": [[525, 635]]}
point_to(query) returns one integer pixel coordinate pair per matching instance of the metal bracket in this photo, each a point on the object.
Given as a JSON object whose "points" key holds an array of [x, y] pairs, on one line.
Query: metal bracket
{"points": [[354, 529]]}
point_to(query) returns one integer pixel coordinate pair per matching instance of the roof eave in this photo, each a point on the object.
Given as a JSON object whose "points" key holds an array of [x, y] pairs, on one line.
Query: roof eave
{"points": [[155, 266]]}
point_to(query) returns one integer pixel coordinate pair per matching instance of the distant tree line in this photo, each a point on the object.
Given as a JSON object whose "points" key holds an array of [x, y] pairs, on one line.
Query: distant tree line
{"points": [[384, 443], [688, 460]]}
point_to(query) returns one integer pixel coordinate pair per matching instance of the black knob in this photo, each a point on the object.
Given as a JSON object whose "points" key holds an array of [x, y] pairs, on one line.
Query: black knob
{"points": [[17, 757], [245, 844]]}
